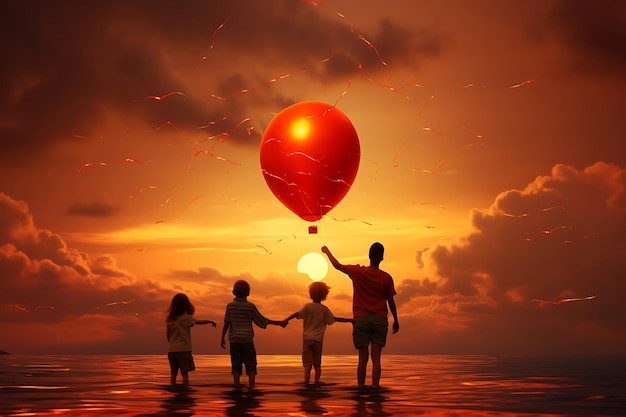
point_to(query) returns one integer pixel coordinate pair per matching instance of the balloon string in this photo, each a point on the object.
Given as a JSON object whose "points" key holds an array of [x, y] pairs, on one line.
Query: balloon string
{"points": [[290, 285], [323, 237], [285, 275]]}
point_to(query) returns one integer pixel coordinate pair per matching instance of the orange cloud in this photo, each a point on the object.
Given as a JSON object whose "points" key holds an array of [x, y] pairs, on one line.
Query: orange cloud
{"points": [[47, 289]]}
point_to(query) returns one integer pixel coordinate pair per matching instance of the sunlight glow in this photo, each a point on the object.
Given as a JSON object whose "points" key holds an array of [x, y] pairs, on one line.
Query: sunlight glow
{"points": [[314, 265]]}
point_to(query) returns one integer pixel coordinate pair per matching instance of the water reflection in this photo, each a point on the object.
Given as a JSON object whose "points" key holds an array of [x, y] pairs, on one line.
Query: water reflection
{"points": [[432, 386], [242, 403], [311, 397], [181, 401], [370, 402]]}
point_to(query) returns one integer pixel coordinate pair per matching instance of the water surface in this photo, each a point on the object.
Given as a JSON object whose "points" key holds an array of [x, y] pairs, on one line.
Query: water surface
{"points": [[425, 385]]}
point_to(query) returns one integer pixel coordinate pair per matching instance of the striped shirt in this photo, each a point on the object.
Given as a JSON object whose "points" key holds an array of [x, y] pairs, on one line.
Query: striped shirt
{"points": [[241, 313]]}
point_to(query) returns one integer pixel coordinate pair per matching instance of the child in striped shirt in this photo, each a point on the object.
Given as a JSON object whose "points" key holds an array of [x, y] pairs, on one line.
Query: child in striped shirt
{"points": [[238, 319]]}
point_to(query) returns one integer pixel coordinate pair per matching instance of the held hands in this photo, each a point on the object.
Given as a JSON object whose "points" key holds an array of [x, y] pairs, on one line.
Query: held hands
{"points": [[281, 323]]}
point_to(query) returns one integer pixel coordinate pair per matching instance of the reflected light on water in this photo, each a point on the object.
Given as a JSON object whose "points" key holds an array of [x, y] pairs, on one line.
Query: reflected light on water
{"points": [[429, 386]]}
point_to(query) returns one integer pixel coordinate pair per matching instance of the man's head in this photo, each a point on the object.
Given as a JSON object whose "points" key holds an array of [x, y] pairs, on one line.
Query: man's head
{"points": [[377, 251]]}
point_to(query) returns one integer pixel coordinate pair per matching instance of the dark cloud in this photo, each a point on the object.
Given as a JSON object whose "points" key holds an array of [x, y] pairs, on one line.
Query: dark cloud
{"points": [[94, 209], [67, 280], [410, 288], [562, 237], [72, 66], [594, 32]]}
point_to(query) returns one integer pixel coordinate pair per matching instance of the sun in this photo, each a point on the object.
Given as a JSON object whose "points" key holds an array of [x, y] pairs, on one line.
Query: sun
{"points": [[314, 265]]}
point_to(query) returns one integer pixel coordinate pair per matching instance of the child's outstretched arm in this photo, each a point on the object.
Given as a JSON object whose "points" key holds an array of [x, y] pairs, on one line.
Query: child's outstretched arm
{"points": [[224, 330], [295, 315], [211, 322], [344, 320]]}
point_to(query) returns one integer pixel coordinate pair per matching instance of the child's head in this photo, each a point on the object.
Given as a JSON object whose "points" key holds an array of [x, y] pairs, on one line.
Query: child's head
{"points": [[241, 289], [318, 291], [180, 304]]}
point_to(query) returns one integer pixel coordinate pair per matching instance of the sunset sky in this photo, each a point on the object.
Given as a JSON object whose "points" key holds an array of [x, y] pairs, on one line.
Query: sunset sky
{"points": [[493, 169]]}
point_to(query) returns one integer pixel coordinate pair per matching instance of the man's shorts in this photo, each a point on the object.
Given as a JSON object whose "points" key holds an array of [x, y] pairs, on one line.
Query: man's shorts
{"points": [[182, 361], [243, 354], [370, 329], [311, 352]]}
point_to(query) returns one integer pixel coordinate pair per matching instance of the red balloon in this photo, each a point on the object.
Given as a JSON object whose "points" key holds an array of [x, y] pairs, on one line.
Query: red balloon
{"points": [[310, 155]]}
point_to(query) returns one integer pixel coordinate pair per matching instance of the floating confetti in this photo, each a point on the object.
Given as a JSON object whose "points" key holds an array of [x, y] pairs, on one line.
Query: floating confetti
{"points": [[441, 206], [517, 216], [282, 77], [344, 93], [554, 229], [394, 162], [548, 232], [193, 200], [247, 119], [163, 97], [371, 45], [429, 129], [267, 251], [115, 303], [166, 124], [528, 214], [429, 171], [350, 220], [142, 189], [131, 160], [562, 301], [522, 84], [89, 164], [204, 58], [553, 208], [388, 87], [426, 103], [471, 85]]}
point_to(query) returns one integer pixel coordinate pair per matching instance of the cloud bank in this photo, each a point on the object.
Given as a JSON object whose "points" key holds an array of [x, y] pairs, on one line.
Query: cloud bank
{"points": [[541, 272], [523, 279]]}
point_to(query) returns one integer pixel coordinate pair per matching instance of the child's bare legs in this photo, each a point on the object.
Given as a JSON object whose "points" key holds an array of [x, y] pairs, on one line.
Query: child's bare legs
{"points": [[237, 379], [251, 379], [173, 375], [307, 373], [185, 377], [318, 373]]}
